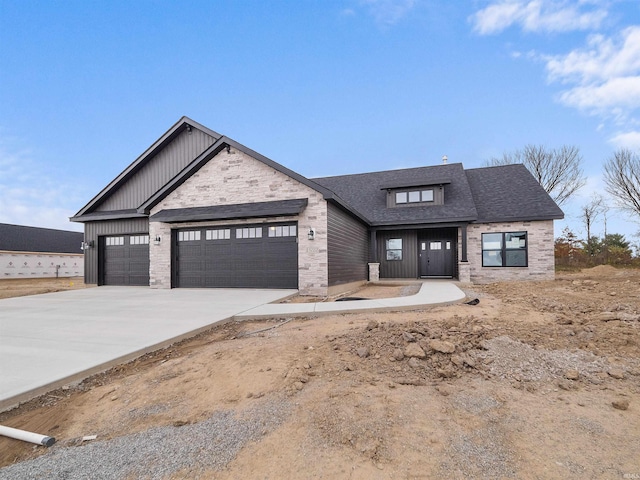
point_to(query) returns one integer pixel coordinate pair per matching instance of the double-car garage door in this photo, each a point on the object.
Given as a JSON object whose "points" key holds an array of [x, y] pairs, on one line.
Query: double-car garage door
{"points": [[249, 256]]}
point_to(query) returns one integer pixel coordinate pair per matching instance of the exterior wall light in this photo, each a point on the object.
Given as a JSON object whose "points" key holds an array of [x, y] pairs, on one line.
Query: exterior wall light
{"points": [[156, 241], [87, 245], [312, 234]]}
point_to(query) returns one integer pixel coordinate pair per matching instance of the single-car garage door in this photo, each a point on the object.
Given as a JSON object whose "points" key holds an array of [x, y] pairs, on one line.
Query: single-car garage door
{"points": [[249, 256], [125, 260]]}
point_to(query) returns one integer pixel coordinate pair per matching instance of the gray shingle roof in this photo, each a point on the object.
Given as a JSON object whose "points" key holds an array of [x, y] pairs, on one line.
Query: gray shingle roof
{"points": [[365, 193], [508, 193], [18, 238], [489, 194]]}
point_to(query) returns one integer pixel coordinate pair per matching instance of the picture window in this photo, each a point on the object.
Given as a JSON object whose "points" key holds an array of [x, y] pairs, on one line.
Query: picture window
{"points": [[508, 249]]}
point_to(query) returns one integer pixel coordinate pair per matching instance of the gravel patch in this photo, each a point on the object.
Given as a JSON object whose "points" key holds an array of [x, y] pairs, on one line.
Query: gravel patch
{"points": [[512, 359], [158, 452]]}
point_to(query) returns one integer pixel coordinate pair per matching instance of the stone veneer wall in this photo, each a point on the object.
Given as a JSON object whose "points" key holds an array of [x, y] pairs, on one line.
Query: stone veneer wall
{"points": [[232, 178], [540, 252]]}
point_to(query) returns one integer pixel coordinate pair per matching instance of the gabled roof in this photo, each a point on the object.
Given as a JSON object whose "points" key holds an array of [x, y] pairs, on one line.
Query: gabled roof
{"points": [[185, 123], [489, 194], [365, 193], [19, 238], [221, 143], [508, 193]]}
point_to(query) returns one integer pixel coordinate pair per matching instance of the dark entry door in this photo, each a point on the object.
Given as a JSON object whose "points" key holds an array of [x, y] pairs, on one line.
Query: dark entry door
{"points": [[436, 258]]}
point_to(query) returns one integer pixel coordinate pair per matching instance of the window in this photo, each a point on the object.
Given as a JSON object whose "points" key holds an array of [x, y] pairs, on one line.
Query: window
{"points": [[219, 234], [114, 241], [249, 232], [394, 249], [139, 240], [507, 249], [282, 231], [414, 196], [189, 236]]}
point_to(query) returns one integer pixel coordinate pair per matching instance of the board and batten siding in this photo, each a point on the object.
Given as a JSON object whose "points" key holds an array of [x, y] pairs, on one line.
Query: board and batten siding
{"points": [[93, 230], [408, 266], [347, 247], [155, 174]]}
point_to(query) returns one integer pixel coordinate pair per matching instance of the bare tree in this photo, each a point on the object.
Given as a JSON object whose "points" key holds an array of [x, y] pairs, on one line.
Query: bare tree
{"points": [[622, 180], [589, 213], [557, 170]]}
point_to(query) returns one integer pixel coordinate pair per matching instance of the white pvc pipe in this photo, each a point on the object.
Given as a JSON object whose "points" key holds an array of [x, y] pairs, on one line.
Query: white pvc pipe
{"points": [[27, 436]]}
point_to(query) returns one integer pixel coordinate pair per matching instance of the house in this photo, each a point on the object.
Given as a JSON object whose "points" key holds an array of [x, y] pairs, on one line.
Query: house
{"points": [[198, 209], [32, 252]]}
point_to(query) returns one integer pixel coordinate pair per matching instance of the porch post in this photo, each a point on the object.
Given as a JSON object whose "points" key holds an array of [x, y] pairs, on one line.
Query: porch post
{"points": [[463, 234], [373, 246]]}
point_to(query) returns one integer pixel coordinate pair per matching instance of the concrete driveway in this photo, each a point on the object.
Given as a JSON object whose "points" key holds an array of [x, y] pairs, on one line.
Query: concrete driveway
{"points": [[47, 341]]}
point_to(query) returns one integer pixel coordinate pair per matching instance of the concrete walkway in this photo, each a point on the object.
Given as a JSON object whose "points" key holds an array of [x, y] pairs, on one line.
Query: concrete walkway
{"points": [[50, 340], [432, 292]]}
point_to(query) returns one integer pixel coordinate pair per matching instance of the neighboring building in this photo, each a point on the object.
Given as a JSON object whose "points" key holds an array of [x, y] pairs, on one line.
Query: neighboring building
{"points": [[198, 209], [31, 252]]}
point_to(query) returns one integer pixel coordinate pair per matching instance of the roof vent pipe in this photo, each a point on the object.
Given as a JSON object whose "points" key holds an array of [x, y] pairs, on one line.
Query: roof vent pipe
{"points": [[444, 159]]}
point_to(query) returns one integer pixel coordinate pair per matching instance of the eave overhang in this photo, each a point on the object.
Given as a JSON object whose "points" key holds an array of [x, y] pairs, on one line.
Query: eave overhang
{"points": [[278, 208]]}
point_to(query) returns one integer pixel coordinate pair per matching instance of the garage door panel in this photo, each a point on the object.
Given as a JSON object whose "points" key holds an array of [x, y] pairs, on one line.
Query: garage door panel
{"points": [[125, 260], [257, 262]]}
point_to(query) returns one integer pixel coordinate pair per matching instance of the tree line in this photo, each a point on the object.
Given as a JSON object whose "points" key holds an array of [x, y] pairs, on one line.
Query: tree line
{"points": [[559, 172]]}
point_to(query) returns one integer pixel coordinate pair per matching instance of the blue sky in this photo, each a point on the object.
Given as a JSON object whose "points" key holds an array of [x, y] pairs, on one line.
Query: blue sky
{"points": [[323, 87]]}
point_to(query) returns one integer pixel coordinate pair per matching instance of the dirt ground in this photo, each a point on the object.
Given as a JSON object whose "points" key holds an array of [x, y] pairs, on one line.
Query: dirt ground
{"points": [[538, 380], [19, 287]]}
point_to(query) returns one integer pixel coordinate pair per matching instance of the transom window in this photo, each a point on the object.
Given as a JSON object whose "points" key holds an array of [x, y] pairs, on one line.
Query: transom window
{"points": [[394, 249], [249, 232], [139, 240], [414, 196], [114, 241], [507, 249], [283, 231], [219, 234], [189, 236]]}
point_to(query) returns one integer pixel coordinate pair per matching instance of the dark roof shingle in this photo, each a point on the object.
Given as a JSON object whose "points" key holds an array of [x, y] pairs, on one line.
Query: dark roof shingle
{"points": [[18, 238]]}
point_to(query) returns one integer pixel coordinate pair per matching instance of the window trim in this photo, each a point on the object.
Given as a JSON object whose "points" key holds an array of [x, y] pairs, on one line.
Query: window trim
{"points": [[503, 250], [395, 256]]}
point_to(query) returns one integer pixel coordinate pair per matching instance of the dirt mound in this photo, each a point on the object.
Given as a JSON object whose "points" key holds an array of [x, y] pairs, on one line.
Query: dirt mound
{"points": [[600, 270]]}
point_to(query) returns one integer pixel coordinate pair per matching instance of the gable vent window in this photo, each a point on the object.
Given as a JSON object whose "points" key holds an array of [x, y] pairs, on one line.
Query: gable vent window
{"points": [[220, 234], [507, 249], [189, 236], [250, 232], [414, 196]]}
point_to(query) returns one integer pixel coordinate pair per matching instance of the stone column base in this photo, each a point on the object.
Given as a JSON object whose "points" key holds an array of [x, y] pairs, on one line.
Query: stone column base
{"points": [[374, 272], [464, 272]]}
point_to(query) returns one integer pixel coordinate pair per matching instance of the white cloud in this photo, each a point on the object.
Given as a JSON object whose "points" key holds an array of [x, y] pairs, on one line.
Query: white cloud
{"points": [[388, 12], [603, 77], [630, 140], [31, 195], [538, 16]]}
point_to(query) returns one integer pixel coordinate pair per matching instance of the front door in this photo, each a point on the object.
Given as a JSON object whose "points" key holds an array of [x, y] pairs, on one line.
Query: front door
{"points": [[436, 258]]}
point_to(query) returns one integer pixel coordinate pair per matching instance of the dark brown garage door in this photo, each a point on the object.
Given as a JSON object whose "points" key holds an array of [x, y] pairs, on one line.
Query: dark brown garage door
{"points": [[248, 256], [125, 260]]}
